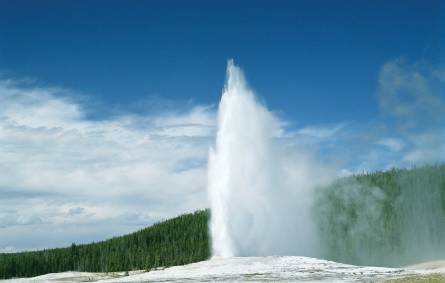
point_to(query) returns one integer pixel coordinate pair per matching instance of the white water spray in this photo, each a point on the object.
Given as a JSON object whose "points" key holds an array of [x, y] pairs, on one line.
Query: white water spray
{"points": [[260, 190]]}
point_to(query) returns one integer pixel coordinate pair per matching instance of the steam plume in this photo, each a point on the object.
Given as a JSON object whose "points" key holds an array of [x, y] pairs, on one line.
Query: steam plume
{"points": [[260, 191]]}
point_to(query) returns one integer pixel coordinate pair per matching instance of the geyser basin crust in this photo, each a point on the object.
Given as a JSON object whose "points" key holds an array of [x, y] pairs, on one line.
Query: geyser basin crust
{"points": [[250, 269]]}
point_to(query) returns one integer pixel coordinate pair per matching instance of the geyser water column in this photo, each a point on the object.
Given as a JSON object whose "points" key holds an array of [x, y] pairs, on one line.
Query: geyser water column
{"points": [[259, 191], [238, 166]]}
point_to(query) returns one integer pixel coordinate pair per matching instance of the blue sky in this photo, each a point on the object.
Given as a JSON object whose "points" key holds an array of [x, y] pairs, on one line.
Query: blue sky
{"points": [[107, 108], [298, 55]]}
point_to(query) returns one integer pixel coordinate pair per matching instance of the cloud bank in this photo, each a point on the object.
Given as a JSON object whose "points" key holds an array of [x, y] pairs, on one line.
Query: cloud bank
{"points": [[60, 170]]}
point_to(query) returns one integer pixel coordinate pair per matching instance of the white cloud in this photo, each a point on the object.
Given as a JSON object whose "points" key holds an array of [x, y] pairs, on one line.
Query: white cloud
{"points": [[10, 218], [408, 98], [427, 147], [392, 143], [320, 132], [76, 210], [412, 103], [411, 128], [59, 168], [9, 249]]}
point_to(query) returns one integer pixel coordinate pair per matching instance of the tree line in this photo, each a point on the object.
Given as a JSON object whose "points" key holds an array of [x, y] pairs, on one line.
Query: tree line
{"points": [[391, 218], [378, 218], [177, 241]]}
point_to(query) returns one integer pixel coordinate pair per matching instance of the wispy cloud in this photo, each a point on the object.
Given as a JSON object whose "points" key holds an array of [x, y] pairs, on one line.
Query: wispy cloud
{"points": [[392, 143], [409, 130], [411, 126], [320, 132]]}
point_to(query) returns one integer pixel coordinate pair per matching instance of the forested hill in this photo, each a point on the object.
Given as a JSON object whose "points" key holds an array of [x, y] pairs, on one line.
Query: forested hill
{"points": [[387, 218], [177, 241], [392, 218]]}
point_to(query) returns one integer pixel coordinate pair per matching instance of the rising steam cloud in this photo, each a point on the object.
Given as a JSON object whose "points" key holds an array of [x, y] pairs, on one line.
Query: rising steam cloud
{"points": [[260, 191]]}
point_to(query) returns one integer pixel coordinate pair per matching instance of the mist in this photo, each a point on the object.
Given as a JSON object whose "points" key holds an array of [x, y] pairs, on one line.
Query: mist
{"points": [[392, 219], [271, 198], [260, 190]]}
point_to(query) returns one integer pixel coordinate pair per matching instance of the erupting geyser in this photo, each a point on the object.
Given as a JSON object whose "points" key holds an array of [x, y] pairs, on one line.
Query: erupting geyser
{"points": [[260, 191], [239, 166]]}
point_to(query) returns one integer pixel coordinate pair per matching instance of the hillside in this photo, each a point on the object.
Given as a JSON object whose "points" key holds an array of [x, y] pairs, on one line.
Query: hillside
{"points": [[177, 241], [387, 218], [391, 218]]}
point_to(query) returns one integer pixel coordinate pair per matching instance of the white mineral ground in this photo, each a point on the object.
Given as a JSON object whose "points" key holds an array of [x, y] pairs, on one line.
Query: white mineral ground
{"points": [[250, 269]]}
